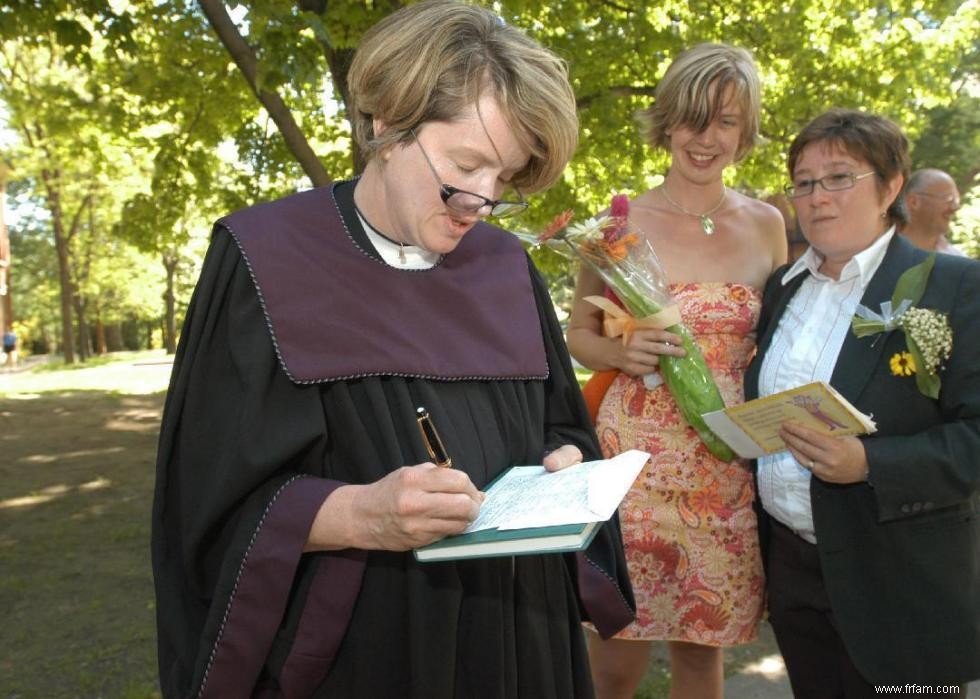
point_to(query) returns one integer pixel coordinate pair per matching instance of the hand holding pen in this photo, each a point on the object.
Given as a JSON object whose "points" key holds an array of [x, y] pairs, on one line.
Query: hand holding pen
{"points": [[410, 507]]}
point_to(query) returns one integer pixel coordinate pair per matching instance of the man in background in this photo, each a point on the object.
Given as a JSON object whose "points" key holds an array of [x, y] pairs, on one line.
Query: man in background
{"points": [[10, 348], [932, 200]]}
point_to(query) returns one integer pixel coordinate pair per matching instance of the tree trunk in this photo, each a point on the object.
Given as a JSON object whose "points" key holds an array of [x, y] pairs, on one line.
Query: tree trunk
{"points": [[114, 338], [338, 60], [64, 277], [84, 336], [170, 317], [42, 343], [101, 347], [245, 59]]}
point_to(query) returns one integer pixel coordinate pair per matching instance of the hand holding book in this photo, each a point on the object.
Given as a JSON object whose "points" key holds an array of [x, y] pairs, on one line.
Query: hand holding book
{"points": [[531, 510], [831, 458], [753, 428]]}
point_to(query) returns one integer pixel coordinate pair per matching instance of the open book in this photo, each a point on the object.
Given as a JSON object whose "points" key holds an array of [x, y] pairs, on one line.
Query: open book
{"points": [[752, 429], [529, 510]]}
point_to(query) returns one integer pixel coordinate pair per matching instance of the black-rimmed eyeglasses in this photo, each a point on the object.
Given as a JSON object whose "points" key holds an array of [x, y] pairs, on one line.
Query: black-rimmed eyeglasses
{"points": [[469, 202], [835, 182]]}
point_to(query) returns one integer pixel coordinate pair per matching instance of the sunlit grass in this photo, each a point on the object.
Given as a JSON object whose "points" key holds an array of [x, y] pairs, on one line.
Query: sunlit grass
{"points": [[61, 365], [124, 373], [76, 484]]}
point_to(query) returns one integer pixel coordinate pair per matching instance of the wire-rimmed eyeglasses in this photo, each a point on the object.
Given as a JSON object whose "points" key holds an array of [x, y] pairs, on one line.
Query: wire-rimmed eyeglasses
{"points": [[469, 202], [944, 198], [834, 182]]}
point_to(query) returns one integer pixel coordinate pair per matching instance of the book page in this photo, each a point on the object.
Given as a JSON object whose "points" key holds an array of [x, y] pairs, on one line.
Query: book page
{"points": [[530, 496], [733, 435], [815, 405]]}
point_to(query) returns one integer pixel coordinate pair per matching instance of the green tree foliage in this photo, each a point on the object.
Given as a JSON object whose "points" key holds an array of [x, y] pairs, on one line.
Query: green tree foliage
{"points": [[55, 109], [183, 100], [950, 140], [145, 112]]}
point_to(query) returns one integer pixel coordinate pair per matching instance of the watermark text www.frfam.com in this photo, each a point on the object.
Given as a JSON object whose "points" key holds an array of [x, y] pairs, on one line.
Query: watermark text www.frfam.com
{"points": [[917, 689]]}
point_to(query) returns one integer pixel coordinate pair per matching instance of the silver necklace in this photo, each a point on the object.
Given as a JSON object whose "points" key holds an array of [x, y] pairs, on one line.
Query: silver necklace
{"points": [[707, 225]]}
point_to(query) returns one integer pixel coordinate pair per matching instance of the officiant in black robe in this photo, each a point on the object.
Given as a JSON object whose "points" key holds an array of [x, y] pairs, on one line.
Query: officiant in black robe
{"points": [[293, 481]]}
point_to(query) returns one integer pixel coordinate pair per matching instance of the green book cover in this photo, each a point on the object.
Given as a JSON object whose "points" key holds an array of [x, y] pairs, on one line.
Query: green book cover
{"points": [[529, 510], [510, 542]]}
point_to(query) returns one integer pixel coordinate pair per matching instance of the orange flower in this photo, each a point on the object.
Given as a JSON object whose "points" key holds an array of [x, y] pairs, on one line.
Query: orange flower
{"points": [[618, 249], [556, 225]]}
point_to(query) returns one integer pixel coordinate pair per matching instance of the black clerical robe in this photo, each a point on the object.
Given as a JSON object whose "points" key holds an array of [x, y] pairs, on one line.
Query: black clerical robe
{"points": [[265, 417]]}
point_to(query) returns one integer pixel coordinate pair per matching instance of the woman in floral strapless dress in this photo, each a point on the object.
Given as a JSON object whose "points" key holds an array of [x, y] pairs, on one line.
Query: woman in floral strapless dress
{"points": [[688, 522], [688, 525]]}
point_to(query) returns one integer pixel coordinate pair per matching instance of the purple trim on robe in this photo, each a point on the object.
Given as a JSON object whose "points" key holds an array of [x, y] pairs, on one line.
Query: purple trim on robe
{"points": [[335, 312], [258, 602], [604, 603], [326, 613]]}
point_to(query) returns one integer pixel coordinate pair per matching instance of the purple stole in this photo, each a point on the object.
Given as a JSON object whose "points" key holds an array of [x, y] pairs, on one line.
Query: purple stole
{"points": [[335, 312]]}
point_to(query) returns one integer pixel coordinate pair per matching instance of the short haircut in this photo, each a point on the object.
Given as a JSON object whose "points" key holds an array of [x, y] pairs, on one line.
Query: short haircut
{"points": [[690, 94], [874, 139], [922, 178], [432, 60]]}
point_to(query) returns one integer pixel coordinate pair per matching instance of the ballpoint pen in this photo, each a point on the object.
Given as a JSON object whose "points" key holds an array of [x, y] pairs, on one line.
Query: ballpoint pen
{"points": [[433, 444]]}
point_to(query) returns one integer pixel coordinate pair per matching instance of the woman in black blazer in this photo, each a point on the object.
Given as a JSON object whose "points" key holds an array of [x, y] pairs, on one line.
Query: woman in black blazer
{"points": [[872, 543]]}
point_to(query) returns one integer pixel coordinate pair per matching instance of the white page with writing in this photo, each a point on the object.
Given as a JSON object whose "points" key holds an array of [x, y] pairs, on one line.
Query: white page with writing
{"points": [[530, 496]]}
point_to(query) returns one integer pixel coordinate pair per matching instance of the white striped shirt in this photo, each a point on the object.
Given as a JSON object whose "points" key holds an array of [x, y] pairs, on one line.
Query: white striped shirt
{"points": [[804, 348]]}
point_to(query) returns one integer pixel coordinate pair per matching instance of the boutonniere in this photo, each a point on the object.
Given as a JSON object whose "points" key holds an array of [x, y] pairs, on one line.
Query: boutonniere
{"points": [[928, 336]]}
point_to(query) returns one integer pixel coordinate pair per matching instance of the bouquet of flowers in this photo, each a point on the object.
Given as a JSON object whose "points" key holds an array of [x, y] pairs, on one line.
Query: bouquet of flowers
{"points": [[928, 336], [628, 265]]}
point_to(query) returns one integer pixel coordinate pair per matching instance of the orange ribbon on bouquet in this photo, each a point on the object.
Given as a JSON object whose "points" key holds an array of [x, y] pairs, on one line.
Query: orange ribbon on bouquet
{"points": [[616, 321]]}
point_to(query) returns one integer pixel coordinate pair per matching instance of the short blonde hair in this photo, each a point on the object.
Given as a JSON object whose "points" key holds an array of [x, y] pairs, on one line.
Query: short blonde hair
{"points": [[432, 60], [689, 94]]}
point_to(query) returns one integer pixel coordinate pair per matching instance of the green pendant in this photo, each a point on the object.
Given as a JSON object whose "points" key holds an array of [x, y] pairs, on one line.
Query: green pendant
{"points": [[707, 225]]}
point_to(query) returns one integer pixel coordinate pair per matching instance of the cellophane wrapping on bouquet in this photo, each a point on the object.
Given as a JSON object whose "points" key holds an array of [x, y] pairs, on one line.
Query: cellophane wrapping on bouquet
{"points": [[628, 264]]}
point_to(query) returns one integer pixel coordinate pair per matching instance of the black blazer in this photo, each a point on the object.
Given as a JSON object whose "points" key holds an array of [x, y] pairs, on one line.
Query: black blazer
{"points": [[901, 556]]}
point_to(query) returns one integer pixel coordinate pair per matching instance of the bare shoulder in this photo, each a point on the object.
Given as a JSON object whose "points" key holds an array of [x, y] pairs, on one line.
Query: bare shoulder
{"points": [[647, 208], [763, 213], [767, 222]]}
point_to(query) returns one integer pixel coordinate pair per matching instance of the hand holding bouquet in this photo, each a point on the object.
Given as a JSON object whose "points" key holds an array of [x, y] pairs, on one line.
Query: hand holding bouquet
{"points": [[627, 263]]}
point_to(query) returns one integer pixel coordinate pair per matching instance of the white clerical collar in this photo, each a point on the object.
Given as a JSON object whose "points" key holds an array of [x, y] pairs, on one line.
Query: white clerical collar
{"points": [[398, 255], [863, 265]]}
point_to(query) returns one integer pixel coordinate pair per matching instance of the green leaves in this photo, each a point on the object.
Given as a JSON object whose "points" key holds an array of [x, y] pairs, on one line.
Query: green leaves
{"points": [[927, 383], [912, 284], [143, 94], [908, 292]]}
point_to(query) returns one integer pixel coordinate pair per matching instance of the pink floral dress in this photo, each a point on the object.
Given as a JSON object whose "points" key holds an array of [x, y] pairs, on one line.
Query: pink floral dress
{"points": [[688, 523]]}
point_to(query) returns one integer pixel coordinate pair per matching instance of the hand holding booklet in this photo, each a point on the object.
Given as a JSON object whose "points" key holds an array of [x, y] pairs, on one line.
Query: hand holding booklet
{"points": [[752, 428], [529, 510]]}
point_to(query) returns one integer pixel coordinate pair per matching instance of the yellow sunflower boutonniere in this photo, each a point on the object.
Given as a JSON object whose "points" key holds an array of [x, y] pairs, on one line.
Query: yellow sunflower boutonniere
{"points": [[928, 335]]}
